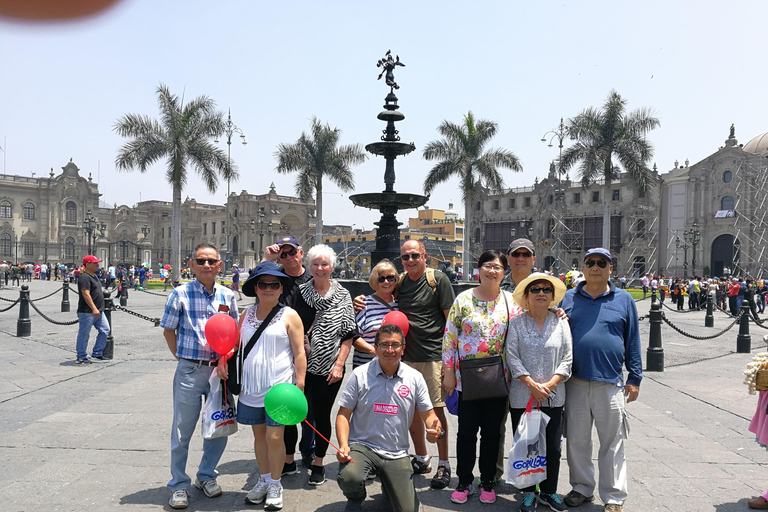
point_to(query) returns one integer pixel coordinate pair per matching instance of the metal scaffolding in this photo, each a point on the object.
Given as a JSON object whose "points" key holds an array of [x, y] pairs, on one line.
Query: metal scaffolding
{"points": [[751, 219]]}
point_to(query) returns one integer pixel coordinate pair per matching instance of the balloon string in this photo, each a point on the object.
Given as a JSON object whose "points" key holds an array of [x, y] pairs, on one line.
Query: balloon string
{"points": [[327, 441]]}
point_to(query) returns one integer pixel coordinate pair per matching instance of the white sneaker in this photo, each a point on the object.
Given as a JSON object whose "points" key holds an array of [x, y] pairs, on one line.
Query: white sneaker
{"points": [[179, 499], [274, 497], [258, 493]]}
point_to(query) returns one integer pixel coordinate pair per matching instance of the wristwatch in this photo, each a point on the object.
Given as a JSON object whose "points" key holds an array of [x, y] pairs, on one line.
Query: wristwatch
{"points": [[442, 433]]}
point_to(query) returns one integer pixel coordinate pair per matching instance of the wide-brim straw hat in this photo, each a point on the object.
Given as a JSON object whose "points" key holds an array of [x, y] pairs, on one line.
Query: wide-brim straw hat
{"points": [[557, 284]]}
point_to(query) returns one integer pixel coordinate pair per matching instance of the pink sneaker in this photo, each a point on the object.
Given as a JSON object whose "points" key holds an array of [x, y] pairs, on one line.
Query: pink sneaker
{"points": [[487, 494], [461, 493]]}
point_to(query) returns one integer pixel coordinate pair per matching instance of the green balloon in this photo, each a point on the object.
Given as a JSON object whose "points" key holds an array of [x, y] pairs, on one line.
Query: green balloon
{"points": [[286, 404]]}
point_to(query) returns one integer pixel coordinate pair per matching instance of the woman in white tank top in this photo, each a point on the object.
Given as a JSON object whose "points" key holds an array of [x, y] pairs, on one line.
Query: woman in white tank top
{"points": [[277, 357]]}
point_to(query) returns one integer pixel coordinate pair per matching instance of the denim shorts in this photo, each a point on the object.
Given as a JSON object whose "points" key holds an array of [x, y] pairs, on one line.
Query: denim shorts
{"points": [[247, 415]]}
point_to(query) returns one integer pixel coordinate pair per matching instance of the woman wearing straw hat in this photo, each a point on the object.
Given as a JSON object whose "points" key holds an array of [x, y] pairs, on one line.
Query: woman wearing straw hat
{"points": [[539, 358]]}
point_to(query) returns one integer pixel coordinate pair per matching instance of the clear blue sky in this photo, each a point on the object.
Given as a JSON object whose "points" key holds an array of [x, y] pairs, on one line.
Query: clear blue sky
{"points": [[276, 64]]}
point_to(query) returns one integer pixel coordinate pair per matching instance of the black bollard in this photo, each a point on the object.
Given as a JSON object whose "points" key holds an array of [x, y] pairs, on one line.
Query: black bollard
{"points": [[709, 319], [653, 296], [744, 340], [65, 297], [654, 356], [123, 294], [109, 306], [24, 324]]}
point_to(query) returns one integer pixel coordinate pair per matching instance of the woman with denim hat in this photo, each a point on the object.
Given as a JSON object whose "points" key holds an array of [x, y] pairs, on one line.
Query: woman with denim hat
{"points": [[277, 357], [539, 358]]}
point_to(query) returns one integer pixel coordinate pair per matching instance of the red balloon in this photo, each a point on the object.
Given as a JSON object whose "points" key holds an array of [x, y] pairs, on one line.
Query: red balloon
{"points": [[397, 318], [222, 333]]}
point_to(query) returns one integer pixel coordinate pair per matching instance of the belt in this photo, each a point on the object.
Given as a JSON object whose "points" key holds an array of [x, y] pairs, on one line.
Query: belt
{"points": [[201, 362]]}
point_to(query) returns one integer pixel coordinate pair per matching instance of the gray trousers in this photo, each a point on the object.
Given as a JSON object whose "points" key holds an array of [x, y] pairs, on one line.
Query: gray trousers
{"points": [[396, 478], [604, 406]]}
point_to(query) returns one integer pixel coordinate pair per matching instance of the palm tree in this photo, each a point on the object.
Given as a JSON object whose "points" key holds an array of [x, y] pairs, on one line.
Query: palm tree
{"points": [[607, 136], [314, 157], [181, 136], [461, 153]]}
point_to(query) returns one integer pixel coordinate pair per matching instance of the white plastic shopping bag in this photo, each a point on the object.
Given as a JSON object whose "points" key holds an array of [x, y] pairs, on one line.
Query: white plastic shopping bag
{"points": [[219, 411], [527, 463]]}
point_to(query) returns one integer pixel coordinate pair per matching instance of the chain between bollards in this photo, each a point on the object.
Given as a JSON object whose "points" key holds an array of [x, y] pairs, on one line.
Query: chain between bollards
{"points": [[744, 340], [654, 356], [24, 324]]}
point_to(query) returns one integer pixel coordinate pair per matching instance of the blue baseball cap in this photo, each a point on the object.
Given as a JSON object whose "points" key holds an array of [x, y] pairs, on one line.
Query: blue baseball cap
{"points": [[599, 251], [288, 240]]}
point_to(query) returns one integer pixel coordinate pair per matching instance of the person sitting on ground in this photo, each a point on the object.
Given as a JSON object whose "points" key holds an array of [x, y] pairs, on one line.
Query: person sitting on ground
{"points": [[375, 410]]}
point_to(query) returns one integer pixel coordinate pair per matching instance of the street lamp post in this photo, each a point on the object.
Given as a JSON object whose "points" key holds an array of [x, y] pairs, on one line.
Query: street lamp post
{"points": [[695, 237], [558, 133], [144, 231], [89, 225], [262, 231], [230, 129]]}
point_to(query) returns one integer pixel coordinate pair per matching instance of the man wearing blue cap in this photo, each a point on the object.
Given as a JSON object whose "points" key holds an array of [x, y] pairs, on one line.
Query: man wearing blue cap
{"points": [[606, 336]]}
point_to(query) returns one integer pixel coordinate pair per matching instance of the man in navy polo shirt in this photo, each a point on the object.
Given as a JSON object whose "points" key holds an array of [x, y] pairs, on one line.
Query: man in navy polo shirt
{"points": [[605, 329], [375, 412]]}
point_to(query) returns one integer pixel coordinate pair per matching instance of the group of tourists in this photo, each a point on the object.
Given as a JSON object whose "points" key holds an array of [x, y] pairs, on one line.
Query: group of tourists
{"points": [[568, 359]]}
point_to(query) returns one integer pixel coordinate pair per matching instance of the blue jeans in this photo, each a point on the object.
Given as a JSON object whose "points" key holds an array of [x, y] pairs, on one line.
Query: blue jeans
{"points": [[87, 320], [190, 385]]}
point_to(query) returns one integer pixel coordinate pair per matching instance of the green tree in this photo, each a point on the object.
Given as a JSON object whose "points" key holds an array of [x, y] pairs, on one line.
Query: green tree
{"points": [[181, 137], [316, 156], [605, 138], [462, 153]]}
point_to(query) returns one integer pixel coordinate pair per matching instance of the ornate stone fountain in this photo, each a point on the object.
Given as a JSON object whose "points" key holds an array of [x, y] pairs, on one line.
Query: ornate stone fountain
{"points": [[388, 202]]}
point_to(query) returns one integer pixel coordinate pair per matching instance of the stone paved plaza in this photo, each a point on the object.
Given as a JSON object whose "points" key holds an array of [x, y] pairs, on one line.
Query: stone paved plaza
{"points": [[97, 437]]}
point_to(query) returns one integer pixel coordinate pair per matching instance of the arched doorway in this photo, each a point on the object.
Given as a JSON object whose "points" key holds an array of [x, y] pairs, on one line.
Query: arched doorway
{"points": [[235, 250], [725, 253], [549, 262]]}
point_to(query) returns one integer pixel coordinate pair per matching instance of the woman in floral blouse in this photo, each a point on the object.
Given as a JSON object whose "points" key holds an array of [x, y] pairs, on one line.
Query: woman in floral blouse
{"points": [[476, 327]]}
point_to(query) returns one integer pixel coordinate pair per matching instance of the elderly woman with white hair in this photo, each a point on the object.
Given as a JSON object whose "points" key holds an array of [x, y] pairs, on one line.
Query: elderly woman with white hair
{"points": [[539, 358], [326, 310]]}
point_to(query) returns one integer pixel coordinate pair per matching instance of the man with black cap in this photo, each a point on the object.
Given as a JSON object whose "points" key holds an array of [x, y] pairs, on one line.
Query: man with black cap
{"points": [[90, 309], [521, 256], [606, 336], [288, 253]]}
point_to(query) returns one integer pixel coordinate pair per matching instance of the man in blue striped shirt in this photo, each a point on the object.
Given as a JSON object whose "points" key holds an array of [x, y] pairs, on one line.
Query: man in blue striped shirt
{"points": [[186, 312]]}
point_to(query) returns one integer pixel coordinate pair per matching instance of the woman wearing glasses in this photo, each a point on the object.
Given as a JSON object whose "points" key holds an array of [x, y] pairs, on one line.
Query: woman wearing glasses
{"points": [[476, 328], [539, 357], [383, 280], [276, 357], [325, 309]]}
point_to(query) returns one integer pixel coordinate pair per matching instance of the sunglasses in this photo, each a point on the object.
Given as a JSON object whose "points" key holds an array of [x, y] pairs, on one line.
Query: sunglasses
{"points": [[599, 263], [292, 252], [521, 255], [387, 346], [203, 261], [414, 257], [391, 279], [538, 289], [269, 285]]}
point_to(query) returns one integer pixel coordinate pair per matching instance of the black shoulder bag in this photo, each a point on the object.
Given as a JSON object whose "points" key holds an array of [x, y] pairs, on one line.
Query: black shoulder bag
{"points": [[234, 371]]}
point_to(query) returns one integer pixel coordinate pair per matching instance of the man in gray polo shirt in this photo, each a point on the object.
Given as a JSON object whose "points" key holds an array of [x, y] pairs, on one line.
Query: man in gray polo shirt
{"points": [[375, 411]]}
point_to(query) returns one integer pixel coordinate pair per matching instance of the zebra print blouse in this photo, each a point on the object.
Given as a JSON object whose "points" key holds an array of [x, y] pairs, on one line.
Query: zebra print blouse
{"points": [[335, 322]]}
